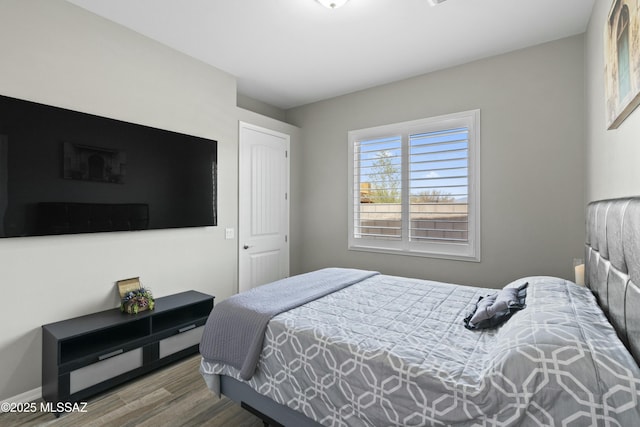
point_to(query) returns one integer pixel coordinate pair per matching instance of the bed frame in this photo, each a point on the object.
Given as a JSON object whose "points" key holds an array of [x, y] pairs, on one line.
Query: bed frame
{"points": [[612, 265], [612, 272], [270, 412]]}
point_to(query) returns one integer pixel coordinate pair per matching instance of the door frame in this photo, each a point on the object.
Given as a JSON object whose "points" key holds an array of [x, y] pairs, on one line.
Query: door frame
{"points": [[241, 158]]}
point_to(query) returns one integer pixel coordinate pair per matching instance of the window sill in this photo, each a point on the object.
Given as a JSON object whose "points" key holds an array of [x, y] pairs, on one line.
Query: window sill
{"points": [[417, 253]]}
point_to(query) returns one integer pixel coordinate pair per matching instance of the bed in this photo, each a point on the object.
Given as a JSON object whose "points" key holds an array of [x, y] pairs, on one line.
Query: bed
{"points": [[367, 349]]}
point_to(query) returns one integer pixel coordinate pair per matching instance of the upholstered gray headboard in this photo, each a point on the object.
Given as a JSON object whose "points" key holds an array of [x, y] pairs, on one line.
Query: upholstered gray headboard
{"points": [[612, 265]]}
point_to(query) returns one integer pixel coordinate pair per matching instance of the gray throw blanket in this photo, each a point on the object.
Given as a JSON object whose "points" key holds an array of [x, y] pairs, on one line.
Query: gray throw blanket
{"points": [[235, 330]]}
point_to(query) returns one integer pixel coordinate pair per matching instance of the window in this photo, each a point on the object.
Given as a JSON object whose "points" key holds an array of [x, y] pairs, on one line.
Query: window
{"points": [[414, 187]]}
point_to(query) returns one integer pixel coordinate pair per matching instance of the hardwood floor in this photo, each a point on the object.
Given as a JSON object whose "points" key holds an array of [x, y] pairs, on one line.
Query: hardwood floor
{"points": [[173, 396]]}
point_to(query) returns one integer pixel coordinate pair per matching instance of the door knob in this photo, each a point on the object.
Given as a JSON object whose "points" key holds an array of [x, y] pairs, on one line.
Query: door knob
{"points": [[246, 246]]}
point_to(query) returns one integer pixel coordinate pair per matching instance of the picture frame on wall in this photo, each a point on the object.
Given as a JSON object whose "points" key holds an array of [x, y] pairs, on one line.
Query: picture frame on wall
{"points": [[622, 61]]}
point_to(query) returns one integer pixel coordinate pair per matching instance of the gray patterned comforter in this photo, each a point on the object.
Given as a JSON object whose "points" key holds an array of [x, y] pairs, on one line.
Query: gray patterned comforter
{"points": [[235, 330], [391, 351]]}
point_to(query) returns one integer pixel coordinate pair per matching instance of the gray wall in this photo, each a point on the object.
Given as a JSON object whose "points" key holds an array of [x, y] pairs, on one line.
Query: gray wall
{"points": [[247, 103], [532, 119], [612, 156], [56, 53]]}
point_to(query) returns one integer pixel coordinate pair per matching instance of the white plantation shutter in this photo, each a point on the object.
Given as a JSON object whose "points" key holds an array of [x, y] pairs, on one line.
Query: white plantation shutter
{"points": [[414, 187], [439, 185], [378, 188]]}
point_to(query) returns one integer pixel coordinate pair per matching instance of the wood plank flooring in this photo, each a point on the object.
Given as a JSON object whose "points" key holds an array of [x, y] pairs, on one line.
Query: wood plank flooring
{"points": [[173, 396]]}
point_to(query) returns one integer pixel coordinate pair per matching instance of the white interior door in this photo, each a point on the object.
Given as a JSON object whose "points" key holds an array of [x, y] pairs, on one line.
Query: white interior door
{"points": [[263, 227]]}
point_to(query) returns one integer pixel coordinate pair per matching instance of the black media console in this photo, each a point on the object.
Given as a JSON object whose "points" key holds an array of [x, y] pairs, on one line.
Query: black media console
{"points": [[89, 354]]}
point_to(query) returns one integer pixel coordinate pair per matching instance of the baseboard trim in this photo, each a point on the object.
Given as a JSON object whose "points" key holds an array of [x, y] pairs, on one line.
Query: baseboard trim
{"points": [[27, 396]]}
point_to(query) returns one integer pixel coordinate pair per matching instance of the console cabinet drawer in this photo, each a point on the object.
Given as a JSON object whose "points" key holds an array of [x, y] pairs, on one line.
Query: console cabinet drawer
{"points": [[98, 372], [176, 343]]}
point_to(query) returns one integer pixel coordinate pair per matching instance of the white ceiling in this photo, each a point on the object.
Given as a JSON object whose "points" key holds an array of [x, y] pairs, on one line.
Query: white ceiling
{"points": [[292, 52]]}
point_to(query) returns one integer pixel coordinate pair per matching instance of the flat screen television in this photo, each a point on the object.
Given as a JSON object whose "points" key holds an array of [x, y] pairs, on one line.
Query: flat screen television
{"points": [[67, 172]]}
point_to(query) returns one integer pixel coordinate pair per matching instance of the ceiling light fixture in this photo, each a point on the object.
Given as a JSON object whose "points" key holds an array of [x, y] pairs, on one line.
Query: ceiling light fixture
{"points": [[435, 2], [332, 4]]}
